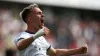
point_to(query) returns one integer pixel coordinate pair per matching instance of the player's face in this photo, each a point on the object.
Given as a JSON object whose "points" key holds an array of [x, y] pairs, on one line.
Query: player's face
{"points": [[37, 17]]}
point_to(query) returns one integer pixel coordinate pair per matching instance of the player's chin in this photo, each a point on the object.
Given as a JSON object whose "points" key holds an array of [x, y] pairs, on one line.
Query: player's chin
{"points": [[42, 23], [40, 26]]}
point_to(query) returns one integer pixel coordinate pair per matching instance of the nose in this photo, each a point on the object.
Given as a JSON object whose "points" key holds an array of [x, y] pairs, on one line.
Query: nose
{"points": [[42, 15]]}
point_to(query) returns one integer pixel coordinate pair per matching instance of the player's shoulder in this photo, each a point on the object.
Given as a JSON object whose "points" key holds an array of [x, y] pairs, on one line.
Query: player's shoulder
{"points": [[22, 35]]}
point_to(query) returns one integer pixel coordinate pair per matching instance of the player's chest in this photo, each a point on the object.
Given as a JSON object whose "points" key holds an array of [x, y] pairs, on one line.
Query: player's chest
{"points": [[39, 44]]}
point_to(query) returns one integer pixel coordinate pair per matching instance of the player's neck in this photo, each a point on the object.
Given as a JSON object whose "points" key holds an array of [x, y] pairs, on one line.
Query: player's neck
{"points": [[31, 29]]}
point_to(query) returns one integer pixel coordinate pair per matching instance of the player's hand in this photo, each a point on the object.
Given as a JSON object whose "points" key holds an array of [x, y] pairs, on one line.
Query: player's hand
{"points": [[46, 31], [41, 32], [83, 49]]}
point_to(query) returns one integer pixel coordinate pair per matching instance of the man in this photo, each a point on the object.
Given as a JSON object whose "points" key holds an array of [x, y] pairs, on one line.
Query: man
{"points": [[32, 42]]}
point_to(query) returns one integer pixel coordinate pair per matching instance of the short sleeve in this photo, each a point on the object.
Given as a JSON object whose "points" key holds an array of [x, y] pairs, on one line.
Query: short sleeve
{"points": [[48, 46], [21, 36]]}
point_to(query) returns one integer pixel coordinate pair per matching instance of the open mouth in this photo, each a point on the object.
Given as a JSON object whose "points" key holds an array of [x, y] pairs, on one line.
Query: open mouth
{"points": [[42, 21]]}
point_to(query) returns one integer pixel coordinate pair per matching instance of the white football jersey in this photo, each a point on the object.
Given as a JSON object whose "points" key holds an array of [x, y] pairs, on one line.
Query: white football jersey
{"points": [[38, 47]]}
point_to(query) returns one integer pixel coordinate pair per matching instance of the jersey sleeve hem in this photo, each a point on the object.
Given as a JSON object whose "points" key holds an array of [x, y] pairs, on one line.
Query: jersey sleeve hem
{"points": [[49, 48]]}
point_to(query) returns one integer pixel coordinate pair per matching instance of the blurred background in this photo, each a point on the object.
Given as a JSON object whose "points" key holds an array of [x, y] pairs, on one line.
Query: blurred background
{"points": [[73, 23]]}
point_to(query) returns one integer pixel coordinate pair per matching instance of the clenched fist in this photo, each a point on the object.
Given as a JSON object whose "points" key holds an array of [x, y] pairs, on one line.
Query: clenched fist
{"points": [[46, 30], [83, 49]]}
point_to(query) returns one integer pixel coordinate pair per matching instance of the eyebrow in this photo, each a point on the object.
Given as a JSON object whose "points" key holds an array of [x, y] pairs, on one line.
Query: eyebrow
{"points": [[40, 12]]}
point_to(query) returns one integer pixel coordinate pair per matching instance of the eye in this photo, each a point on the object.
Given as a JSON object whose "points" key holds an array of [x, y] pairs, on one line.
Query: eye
{"points": [[39, 13]]}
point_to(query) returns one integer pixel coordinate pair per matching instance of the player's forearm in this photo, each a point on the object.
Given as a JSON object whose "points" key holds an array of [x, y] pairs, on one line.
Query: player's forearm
{"points": [[64, 52], [22, 44], [26, 42]]}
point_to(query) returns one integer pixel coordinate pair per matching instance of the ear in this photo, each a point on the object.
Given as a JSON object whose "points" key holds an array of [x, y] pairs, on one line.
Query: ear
{"points": [[29, 18]]}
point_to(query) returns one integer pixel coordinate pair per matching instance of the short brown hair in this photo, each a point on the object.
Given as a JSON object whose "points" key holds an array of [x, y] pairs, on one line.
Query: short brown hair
{"points": [[26, 11]]}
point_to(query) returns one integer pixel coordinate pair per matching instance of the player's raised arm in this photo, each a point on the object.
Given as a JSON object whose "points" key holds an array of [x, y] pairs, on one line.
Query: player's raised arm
{"points": [[24, 43], [65, 52]]}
